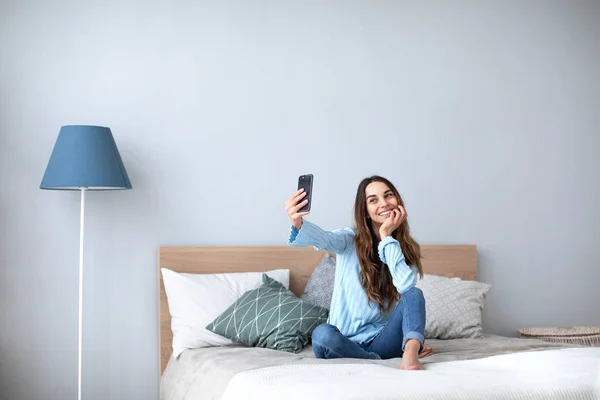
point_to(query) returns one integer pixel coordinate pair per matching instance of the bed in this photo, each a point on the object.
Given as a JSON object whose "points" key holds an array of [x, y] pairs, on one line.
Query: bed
{"points": [[483, 366]]}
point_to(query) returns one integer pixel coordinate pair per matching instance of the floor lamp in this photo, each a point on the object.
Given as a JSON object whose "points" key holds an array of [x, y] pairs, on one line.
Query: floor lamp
{"points": [[84, 158]]}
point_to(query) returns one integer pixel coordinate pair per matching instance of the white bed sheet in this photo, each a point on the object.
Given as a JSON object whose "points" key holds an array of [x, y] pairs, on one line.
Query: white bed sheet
{"points": [[491, 367]]}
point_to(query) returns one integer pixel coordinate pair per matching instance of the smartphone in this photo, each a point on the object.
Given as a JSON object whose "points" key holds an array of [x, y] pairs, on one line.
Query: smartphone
{"points": [[306, 182]]}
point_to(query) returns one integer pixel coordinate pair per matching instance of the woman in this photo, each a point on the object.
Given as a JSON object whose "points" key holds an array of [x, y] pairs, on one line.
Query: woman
{"points": [[376, 310]]}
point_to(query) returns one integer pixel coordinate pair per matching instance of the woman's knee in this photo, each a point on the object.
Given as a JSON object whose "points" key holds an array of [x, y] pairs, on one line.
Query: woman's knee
{"points": [[414, 295], [322, 338], [324, 334]]}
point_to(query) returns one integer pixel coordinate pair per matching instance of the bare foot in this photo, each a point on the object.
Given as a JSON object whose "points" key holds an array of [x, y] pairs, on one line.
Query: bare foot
{"points": [[410, 364], [410, 358], [427, 351]]}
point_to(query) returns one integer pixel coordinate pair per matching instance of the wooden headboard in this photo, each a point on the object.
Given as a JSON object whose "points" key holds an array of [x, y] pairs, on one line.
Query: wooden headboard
{"points": [[446, 260]]}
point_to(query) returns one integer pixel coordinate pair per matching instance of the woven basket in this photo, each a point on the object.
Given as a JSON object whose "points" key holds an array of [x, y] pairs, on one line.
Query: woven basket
{"points": [[577, 335]]}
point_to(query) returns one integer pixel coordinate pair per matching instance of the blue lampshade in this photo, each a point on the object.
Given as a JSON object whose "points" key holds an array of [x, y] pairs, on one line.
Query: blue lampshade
{"points": [[85, 157]]}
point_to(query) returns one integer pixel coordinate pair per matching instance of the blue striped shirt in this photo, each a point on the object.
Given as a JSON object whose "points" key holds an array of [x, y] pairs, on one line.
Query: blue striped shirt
{"points": [[351, 311]]}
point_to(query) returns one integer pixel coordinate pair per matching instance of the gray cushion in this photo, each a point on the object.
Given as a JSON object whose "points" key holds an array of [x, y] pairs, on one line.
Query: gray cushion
{"points": [[453, 307], [319, 288], [270, 316]]}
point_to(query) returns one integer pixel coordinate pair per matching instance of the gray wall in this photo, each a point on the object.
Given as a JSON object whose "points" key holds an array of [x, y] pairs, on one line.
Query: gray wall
{"points": [[485, 116]]}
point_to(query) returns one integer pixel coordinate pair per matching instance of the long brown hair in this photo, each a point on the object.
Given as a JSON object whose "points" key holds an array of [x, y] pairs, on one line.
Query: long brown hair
{"points": [[374, 275]]}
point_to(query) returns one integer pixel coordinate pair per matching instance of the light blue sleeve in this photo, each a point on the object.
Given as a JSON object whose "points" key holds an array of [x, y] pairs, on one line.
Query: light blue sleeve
{"points": [[404, 276], [311, 235]]}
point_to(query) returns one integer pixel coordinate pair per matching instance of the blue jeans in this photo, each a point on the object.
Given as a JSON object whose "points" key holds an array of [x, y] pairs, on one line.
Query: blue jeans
{"points": [[407, 321]]}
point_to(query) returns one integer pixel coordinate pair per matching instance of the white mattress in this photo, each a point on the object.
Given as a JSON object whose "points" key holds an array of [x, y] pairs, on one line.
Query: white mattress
{"points": [[493, 367]]}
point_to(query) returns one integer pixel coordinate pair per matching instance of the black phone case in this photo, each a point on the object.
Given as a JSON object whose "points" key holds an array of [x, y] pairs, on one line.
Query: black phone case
{"points": [[306, 182]]}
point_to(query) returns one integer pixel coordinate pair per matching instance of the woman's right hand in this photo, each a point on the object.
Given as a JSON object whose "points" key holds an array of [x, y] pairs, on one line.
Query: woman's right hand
{"points": [[292, 207]]}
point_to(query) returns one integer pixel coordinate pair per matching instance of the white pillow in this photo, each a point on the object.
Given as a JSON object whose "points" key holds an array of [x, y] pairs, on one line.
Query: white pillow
{"points": [[195, 300], [453, 307]]}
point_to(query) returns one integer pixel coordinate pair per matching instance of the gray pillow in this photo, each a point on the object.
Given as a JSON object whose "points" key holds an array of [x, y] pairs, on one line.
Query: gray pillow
{"points": [[319, 288], [453, 307]]}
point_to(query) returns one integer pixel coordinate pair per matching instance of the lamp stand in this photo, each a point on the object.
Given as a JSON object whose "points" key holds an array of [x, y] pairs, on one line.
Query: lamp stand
{"points": [[80, 319], [84, 157]]}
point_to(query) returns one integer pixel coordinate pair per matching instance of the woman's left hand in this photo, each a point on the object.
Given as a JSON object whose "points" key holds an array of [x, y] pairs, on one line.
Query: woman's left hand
{"points": [[396, 218], [427, 351]]}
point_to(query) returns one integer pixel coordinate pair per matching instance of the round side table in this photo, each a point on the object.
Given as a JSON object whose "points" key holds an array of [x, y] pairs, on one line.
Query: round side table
{"points": [[576, 335]]}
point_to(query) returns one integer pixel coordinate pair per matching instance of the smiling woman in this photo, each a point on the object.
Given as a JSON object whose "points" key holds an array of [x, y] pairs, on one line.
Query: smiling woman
{"points": [[376, 311], [379, 213]]}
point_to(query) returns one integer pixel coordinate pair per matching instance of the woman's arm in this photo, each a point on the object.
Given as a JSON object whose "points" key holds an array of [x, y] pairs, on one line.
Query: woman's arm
{"points": [[310, 234], [403, 275]]}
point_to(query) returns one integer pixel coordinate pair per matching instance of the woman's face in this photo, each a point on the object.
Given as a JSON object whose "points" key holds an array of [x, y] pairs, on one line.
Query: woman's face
{"points": [[380, 201]]}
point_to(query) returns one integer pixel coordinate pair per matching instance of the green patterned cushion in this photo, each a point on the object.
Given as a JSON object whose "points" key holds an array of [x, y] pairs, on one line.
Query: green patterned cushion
{"points": [[269, 316]]}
